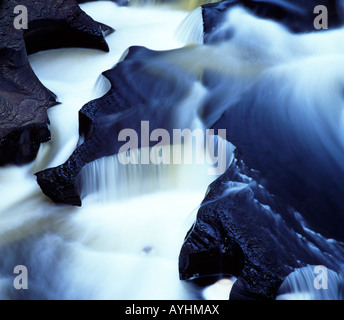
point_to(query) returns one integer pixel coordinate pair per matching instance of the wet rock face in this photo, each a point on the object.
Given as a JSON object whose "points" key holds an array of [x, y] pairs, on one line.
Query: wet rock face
{"points": [[135, 96], [297, 16], [293, 165], [243, 231], [24, 123], [275, 208]]}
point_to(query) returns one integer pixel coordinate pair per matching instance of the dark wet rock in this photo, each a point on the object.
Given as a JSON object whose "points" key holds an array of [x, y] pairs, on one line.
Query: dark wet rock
{"points": [[279, 207], [297, 16], [293, 162], [242, 230], [135, 96], [24, 123]]}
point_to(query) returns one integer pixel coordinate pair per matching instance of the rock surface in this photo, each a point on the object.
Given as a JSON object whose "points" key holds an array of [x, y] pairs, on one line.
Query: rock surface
{"points": [[279, 206], [244, 231], [24, 122], [251, 224], [135, 96], [300, 157]]}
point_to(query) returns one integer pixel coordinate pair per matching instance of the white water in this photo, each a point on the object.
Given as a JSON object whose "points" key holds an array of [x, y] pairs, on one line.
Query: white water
{"points": [[303, 284], [124, 249], [128, 248]]}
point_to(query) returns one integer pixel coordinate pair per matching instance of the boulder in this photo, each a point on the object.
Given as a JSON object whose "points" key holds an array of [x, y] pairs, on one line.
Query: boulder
{"points": [[278, 208], [294, 146], [144, 87], [243, 230], [24, 123]]}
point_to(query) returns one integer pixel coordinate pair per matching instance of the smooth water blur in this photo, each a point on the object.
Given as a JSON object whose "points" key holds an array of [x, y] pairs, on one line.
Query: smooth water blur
{"points": [[312, 283], [124, 242], [103, 250]]}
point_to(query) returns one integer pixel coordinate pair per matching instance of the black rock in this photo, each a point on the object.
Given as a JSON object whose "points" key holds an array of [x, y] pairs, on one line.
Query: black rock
{"points": [[244, 231], [300, 157], [23, 99], [144, 87]]}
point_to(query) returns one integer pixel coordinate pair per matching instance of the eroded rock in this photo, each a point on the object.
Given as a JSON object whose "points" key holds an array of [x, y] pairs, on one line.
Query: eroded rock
{"points": [[24, 123], [144, 87], [244, 231]]}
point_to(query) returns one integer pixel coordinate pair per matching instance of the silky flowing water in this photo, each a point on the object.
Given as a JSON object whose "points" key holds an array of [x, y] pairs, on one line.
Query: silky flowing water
{"points": [[124, 242]]}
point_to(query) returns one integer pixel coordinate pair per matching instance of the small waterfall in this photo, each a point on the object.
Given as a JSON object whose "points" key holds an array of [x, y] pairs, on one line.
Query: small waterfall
{"points": [[114, 179], [108, 179], [125, 240], [102, 86], [191, 29], [312, 283], [106, 249]]}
